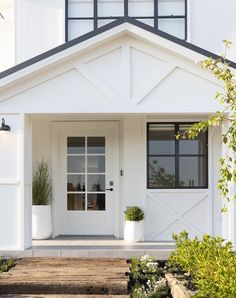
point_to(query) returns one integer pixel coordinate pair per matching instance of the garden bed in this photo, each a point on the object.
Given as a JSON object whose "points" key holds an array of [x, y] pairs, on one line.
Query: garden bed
{"points": [[149, 279], [6, 264], [177, 287], [198, 269]]}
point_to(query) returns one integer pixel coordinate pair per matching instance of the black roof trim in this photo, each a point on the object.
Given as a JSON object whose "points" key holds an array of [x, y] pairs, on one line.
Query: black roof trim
{"points": [[180, 42], [102, 29]]}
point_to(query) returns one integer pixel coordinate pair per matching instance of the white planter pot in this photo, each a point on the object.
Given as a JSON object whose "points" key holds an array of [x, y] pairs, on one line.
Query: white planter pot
{"points": [[134, 231], [41, 222]]}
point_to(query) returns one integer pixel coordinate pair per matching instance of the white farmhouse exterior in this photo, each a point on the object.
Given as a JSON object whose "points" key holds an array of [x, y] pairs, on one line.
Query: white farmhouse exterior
{"points": [[99, 88]]}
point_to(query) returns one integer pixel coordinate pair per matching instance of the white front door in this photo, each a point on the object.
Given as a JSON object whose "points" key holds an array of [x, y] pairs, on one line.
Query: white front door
{"points": [[86, 178]]}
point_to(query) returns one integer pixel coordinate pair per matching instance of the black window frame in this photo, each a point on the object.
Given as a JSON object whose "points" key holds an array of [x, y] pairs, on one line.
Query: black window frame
{"points": [[156, 17], [176, 155]]}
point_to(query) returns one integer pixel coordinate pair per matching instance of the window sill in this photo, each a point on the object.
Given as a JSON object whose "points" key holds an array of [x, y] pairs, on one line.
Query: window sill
{"points": [[177, 190]]}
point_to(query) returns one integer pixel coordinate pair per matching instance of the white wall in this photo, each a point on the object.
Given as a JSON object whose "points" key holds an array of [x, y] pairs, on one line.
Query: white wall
{"points": [[41, 141], [39, 27], [26, 187], [159, 206], [215, 155], [148, 78], [7, 34], [166, 211], [212, 21], [40, 24], [151, 78], [132, 151], [15, 184]]}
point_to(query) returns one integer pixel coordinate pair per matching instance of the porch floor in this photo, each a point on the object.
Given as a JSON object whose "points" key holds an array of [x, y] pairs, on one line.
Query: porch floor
{"points": [[93, 247]]}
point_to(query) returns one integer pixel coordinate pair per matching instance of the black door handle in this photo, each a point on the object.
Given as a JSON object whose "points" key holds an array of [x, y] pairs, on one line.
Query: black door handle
{"points": [[111, 189]]}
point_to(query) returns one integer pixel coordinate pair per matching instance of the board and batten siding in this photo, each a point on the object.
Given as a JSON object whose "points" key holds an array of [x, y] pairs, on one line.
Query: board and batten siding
{"points": [[154, 80]]}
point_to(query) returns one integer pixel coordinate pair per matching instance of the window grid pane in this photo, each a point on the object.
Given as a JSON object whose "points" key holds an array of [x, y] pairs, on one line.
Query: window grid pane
{"points": [[162, 172], [86, 173], [192, 172], [194, 166], [84, 16]]}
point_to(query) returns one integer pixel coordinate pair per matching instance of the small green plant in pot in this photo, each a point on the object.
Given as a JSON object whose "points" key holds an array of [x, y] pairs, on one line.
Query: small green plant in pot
{"points": [[42, 198], [134, 224]]}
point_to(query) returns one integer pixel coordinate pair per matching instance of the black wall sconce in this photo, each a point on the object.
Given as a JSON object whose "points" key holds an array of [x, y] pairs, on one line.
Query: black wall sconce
{"points": [[4, 126]]}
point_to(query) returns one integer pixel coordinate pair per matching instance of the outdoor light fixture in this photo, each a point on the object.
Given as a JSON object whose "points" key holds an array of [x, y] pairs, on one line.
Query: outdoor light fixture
{"points": [[4, 127]]}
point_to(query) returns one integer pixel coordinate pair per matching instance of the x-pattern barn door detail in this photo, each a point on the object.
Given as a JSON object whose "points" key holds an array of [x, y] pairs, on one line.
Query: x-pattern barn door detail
{"points": [[168, 213]]}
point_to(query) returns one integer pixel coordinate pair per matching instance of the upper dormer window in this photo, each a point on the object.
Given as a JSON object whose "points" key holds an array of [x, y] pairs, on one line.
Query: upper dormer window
{"points": [[83, 16]]}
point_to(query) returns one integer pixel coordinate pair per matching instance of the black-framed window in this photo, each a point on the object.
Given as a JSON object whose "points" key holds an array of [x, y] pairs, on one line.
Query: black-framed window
{"points": [[82, 16], [173, 163]]}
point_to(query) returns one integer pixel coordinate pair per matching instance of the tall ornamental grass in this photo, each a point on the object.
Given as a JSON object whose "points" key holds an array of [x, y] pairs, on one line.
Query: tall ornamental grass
{"points": [[42, 186]]}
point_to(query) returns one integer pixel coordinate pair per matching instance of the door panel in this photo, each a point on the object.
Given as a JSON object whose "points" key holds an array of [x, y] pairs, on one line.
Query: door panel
{"points": [[87, 167]]}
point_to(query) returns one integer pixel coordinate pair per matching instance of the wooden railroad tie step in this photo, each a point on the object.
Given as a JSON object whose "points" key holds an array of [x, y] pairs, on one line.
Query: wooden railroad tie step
{"points": [[66, 276], [63, 296]]}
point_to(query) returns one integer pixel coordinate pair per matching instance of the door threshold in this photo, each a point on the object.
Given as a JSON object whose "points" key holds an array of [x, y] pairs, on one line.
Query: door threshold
{"points": [[88, 237]]}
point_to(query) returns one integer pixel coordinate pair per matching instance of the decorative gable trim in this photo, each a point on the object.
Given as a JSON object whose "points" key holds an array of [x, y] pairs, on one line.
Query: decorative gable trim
{"points": [[105, 28]]}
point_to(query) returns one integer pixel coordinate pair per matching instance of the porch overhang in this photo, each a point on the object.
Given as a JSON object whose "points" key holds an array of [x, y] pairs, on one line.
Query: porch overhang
{"points": [[123, 68]]}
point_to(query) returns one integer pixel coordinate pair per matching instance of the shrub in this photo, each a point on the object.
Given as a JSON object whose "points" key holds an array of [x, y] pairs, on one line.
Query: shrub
{"points": [[134, 213], [147, 279], [42, 186], [210, 262], [6, 264]]}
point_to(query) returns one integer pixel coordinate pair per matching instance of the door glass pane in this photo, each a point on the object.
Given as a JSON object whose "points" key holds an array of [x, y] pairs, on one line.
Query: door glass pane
{"points": [[96, 182], [86, 166], [161, 139], [76, 145], [96, 201], [75, 164], [161, 172], [75, 201], [196, 146], [192, 172], [75, 182], [96, 145], [96, 164]]}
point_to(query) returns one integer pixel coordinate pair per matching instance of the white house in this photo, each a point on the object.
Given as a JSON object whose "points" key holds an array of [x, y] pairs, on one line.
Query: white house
{"points": [[99, 88]]}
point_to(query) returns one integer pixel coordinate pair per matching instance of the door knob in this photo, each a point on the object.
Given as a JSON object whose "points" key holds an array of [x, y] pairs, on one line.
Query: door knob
{"points": [[111, 189]]}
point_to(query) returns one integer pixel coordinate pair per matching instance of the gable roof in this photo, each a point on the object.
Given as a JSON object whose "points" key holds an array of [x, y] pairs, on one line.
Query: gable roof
{"points": [[105, 28]]}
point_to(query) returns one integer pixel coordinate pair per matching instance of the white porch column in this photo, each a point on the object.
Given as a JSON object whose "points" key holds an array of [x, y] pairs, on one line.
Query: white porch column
{"points": [[133, 163], [15, 183], [229, 218]]}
